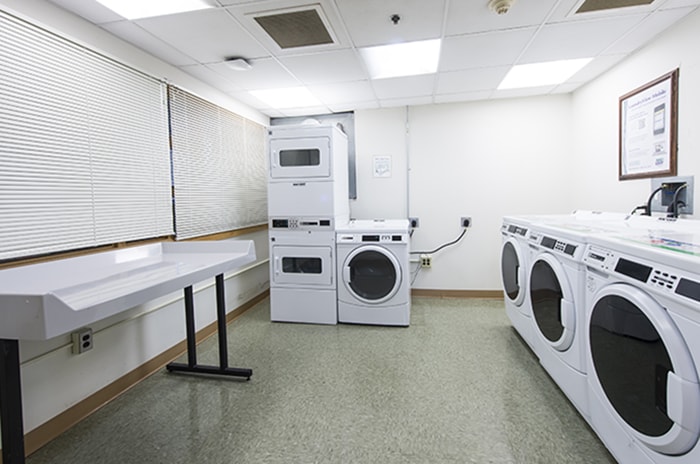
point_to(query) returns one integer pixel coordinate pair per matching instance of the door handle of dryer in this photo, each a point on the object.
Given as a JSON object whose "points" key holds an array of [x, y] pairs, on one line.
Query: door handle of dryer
{"points": [[276, 265]]}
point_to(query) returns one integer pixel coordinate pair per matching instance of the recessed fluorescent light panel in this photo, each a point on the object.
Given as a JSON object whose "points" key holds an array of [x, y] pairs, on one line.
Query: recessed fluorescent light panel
{"points": [[540, 74], [293, 97], [136, 9], [404, 59]]}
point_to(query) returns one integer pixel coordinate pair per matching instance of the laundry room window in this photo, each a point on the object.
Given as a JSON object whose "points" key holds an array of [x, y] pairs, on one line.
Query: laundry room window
{"points": [[84, 155], [219, 167]]}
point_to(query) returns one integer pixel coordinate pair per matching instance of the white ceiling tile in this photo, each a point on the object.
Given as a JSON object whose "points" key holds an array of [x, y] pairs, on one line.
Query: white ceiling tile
{"points": [[483, 50], [360, 105], [345, 92], [526, 92], [406, 101], [579, 39], [679, 3], [403, 87], [369, 22], [205, 35], [566, 88], [266, 73], [471, 80], [130, 32], [92, 11], [470, 16], [463, 96], [203, 73], [646, 30], [333, 66], [596, 67]]}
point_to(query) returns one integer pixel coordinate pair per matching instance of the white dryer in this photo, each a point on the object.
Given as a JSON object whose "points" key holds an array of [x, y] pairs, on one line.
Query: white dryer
{"points": [[303, 271], [643, 344], [515, 262], [373, 272], [308, 171]]}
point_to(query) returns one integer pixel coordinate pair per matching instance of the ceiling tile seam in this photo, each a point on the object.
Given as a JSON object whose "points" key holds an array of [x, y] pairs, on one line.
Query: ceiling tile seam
{"points": [[156, 38], [443, 28], [537, 31], [358, 56], [626, 34]]}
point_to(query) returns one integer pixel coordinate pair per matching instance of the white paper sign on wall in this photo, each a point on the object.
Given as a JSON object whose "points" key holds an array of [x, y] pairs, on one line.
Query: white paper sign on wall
{"points": [[382, 166]]}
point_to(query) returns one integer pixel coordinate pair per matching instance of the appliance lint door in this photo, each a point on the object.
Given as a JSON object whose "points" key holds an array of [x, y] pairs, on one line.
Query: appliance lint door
{"points": [[302, 265], [371, 274], [300, 158], [643, 368], [552, 301], [513, 271]]}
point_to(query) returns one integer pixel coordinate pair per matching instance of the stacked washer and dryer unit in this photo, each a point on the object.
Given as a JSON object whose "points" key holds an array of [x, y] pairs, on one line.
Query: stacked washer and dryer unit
{"points": [[324, 268], [615, 312], [307, 198]]}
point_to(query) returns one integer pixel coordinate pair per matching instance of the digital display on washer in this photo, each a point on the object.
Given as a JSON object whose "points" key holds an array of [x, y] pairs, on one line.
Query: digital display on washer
{"points": [[370, 238], [689, 288], [633, 270], [549, 242]]}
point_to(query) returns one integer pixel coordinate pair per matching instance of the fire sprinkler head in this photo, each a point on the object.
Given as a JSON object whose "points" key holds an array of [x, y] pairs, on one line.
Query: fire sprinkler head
{"points": [[500, 6]]}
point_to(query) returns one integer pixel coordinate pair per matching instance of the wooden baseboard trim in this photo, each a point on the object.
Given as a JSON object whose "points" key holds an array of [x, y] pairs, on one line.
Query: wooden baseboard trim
{"points": [[54, 427], [457, 293]]}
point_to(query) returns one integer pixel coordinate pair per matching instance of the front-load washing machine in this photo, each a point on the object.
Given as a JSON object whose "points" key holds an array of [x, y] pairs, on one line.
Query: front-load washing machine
{"points": [[643, 345], [373, 272], [515, 263], [556, 295]]}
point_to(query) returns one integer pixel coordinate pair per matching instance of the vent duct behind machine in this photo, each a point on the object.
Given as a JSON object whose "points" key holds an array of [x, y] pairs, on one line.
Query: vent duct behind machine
{"points": [[299, 28]]}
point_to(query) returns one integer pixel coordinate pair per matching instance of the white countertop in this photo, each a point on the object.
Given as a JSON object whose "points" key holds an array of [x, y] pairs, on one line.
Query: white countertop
{"points": [[45, 300]]}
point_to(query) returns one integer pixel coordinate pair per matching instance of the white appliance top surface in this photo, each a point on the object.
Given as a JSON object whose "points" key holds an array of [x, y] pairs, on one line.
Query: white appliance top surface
{"points": [[672, 248], [44, 300], [400, 226]]}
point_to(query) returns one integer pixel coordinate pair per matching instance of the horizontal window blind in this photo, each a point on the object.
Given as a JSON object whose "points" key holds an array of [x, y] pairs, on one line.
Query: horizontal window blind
{"points": [[84, 155], [219, 167]]}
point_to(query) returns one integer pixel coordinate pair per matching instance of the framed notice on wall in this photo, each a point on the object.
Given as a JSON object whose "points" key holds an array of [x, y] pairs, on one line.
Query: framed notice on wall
{"points": [[648, 129]]}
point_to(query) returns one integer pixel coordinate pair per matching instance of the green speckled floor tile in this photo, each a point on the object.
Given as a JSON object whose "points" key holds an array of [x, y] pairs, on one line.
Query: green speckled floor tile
{"points": [[457, 386]]}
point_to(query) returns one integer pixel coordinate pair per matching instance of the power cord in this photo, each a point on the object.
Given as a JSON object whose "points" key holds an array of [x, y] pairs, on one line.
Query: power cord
{"points": [[444, 245]]}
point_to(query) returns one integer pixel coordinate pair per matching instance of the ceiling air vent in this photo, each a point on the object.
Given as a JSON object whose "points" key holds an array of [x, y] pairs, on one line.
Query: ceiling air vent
{"points": [[600, 5], [300, 28]]}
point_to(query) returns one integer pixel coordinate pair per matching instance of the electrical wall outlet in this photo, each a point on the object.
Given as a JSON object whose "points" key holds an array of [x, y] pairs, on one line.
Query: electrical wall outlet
{"points": [[465, 221], [426, 260], [82, 340], [663, 199], [413, 222]]}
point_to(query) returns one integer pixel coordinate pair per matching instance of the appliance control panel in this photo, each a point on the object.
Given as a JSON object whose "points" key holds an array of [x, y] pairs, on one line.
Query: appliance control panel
{"points": [[640, 271], [301, 223], [383, 238]]}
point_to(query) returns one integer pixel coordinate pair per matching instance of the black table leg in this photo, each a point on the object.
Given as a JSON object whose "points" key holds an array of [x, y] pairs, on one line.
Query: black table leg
{"points": [[11, 403], [192, 367]]}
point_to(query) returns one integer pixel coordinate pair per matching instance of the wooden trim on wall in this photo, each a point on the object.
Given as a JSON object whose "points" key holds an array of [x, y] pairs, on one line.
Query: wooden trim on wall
{"points": [[457, 293], [54, 427]]}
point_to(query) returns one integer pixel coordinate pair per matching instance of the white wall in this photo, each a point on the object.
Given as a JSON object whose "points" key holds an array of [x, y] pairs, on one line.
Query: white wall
{"points": [[595, 109], [540, 155], [481, 159], [126, 341]]}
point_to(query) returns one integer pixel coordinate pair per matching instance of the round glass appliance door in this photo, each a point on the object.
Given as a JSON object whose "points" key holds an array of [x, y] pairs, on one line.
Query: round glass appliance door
{"points": [[372, 274], [643, 368], [512, 270], [552, 301]]}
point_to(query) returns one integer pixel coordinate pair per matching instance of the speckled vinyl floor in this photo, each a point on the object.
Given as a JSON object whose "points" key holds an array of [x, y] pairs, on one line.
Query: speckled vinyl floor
{"points": [[457, 386]]}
